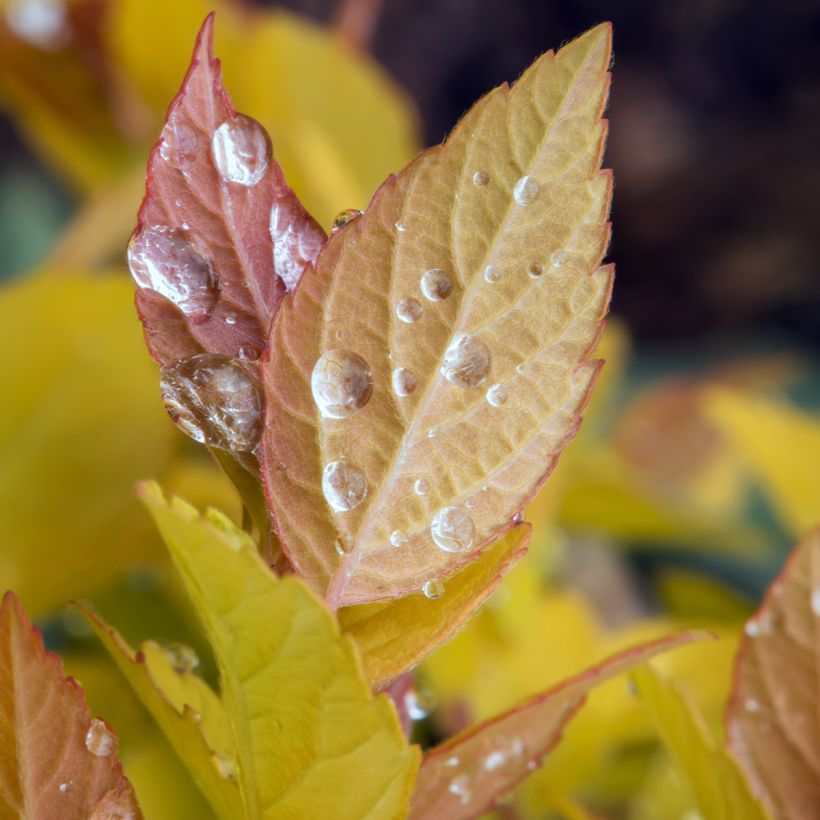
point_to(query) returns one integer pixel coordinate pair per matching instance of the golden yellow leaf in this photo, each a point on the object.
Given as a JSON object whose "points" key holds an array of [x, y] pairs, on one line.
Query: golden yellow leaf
{"points": [[304, 720], [475, 271], [718, 783], [394, 636]]}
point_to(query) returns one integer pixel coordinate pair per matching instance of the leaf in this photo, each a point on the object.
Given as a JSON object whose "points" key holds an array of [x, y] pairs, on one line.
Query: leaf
{"points": [[718, 783], [220, 235], [188, 712], [80, 423], [772, 718], [55, 761], [542, 139], [394, 636], [466, 775], [305, 722]]}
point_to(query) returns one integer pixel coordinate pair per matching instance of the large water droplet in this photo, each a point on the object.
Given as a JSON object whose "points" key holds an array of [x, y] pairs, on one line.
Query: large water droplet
{"points": [[481, 178], [419, 703], [344, 485], [433, 589], [343, 217], [421, 487], [241, 150], [341, 383], [452, 529], [436, 284], [164, 260], [99, 740], [409, 310], [404, 381], [214, 399], [497, 395], [491, 274], [526, 191], [466, 362], [182, 657]]}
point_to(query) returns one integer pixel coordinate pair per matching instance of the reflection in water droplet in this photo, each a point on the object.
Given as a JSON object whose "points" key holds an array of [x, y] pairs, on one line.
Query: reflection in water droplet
{"points": [[491, 274], [526, 191], [397, 538], [241, 150], [409, 310], [466, 362], [436, 284], [99, 740], [180, 144], [215, 399], [481, 178], [460, 787], [497, 395], [558, 258], [343, 485], [341, 383], [404, 381], [535, 270], [182, 657], [420, 487], [419, 703], [433, 589], [343, 217], [452, 529], [164, 260]]}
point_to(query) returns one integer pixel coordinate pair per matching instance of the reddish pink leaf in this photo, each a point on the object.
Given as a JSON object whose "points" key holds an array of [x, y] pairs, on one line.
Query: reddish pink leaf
{"points": [[773, 720], [464, 777], [220, 236], [55, 761]]}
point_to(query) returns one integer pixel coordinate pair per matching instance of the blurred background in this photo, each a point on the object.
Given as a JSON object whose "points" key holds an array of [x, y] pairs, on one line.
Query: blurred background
{"points": [[698, 466]]}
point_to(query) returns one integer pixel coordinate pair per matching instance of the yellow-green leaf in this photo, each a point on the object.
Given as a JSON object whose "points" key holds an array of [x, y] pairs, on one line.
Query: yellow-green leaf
{"points": [[721, 789], [305, 723], [478, 265], [394, 636]]}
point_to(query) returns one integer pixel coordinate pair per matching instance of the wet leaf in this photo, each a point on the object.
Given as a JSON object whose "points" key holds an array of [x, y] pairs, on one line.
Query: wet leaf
{"points": [[772, 719], [394, 636], [220, 235], [305, 722], [477, 266], [720, 788], [56, 760], [466, 775]]}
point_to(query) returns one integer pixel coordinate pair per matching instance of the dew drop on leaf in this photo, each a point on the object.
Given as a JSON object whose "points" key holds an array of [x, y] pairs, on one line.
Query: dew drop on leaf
{"points": [[433, 589], [99, 740], [164, 260], [230, 318], [64, 787], [497, 395], [225, 767], [751, 705], [341, 383], [241, 150], [481, 178], [491, 274], [460, 787], [526, 191], [421, 487], [436, 284], [419, 703], [535, 270], [466, 362], [182, 657], [452, 529], [558, 258], [344, 485], [215, 400], [409, 310], [397, 538], [401, 227], [343, 217], [180, 144], [404, 381]]}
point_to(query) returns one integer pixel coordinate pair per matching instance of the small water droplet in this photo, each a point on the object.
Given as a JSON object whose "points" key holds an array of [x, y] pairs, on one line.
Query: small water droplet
{"points": [[341, 549], [532, 765], [519, 368], [526, 191], [397, 538], [436, 284], [215, 400], [343, 485], [535, 270], [558, 258], [452, 762], [343, 217], [99, 740], [494, 760], [470, 504], [517, 747], [409, 310], [466, 362], [492, 274], [485, 488], [341, 383], [180, 144], [420, 486], [64, 787], [751, 705], [419, 703], [241, 150], [182, 657], [164, 260], [433, 589], [401, 227], [481, 178], [452, 529], [225, 767], [497, 395], [517, 519], [230, 318], [404, 381], [248, 353], [460, 787], [815, 601], [42, 23]]}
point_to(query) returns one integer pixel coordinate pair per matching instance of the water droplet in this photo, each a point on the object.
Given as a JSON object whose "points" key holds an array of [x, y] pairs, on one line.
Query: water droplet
{"points": [[397, 538], [815, 601], [401, 227], [215, 400], [42, 23], [526, 191], [519, 368], [343, 217], [532, 765], [481, 178], [421, 487], [466, 362], [180, 144], [404, 381], [419, 703], [517, 519], [241, 150], [343, 485], [494, 760], [492, 274], [230, 318], [64, 787], [558, 258], [99, 740], [485, 488], [432, 432], [751, 705], [341, 383], [182, 657], [409, 310], [497, 395], [164, 260], [248, 353], [517, 747], [452, 529], [460, 787], [225, 767], [341, 549], [535, 270], [433, 589], [436, 284]]}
